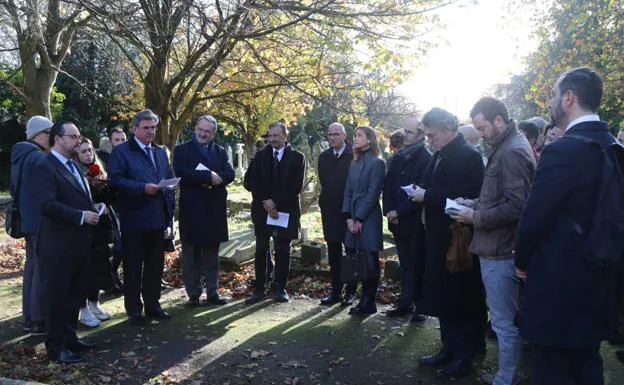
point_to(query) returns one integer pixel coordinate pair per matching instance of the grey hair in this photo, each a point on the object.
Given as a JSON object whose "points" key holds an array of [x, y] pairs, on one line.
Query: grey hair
{"points": [[338, 125], [438, 119], [414, 123], [144, 115], [540, 122], [209, 119]]}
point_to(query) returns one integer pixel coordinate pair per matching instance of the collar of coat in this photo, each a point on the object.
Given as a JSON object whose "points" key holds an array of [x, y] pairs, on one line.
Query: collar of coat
{"points": [[496, 142], [452, 146], [409, 151]]}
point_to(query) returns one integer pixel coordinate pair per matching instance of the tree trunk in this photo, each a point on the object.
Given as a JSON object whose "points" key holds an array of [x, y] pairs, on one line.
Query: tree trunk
{"points": [[38, 83]]}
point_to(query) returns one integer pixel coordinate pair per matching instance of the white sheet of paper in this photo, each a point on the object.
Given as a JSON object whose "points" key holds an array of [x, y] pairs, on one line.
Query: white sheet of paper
{"points": [[451, 204], [201, 167], [169, 183], [409, 190], [281, 221], [101, 211]]}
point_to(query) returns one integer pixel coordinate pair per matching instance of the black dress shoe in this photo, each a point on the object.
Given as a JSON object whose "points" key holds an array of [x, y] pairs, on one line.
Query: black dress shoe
{"points": [[67, 357], [331, 300], [347, 300], [255, 298], [216, 300], [399, 312], [455, 369], [416, 318], [38, 329], [80, 346], [281, 296], [136, 320], [158, 313], [192, 301], [441, 358]]}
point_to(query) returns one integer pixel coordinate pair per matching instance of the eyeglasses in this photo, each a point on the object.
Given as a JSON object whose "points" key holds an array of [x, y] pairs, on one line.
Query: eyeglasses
{"points": [[47, 132], [150, 128], [73, 137]]}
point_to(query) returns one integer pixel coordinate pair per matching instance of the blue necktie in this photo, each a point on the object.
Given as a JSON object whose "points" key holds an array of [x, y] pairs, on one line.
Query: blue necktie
{"points": [[72, 168], [150, 153]]}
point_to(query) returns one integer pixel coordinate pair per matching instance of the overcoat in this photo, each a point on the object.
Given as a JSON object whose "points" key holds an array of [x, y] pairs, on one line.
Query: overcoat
{"points": [[567, 301], [332, 174], [203, 207], [361, 201], [455, 171], [282, 183]]}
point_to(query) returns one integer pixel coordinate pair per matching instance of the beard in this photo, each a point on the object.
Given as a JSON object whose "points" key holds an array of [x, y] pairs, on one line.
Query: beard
{"points": [[556, 115]]}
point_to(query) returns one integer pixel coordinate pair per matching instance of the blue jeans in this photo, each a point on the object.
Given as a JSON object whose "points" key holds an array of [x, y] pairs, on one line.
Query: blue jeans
{"points": [[502, 290]]}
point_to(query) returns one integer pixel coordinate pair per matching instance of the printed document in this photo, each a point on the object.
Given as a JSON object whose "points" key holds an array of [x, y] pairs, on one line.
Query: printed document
{"points": [[281, 221], [201, 167], [169, 184]]}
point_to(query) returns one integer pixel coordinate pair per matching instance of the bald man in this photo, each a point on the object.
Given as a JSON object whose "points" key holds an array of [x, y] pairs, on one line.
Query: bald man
{"points": [[473, 137]]}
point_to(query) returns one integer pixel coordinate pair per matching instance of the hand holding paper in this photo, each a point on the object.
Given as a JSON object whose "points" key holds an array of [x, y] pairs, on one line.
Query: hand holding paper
{"points": [[280, 221], [201, 167], [409, 190], [169, 184]]}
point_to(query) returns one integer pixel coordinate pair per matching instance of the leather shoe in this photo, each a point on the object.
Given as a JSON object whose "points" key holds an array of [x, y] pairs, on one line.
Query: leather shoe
{"points": [[347, 300], [398, 312], [192, 301], [67, 357], [331, 299], [158, 313], [455, 369], [441, 358], [255, 298], [416, 318], [38, 329], [282, 296], [136, 320], [216, 300], [80, 346]]}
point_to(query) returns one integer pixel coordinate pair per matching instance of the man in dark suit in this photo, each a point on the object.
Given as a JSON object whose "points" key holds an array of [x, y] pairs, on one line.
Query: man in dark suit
{"points": [[203, 166], [333, 167], [275, 181], [452, 292], [568, 303], [407, 167], [135, 169], [24, 155], [64, 240]]}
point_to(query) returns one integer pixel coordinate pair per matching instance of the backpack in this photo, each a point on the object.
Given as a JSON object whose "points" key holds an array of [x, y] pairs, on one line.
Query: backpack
{"points": [[604, 242]]}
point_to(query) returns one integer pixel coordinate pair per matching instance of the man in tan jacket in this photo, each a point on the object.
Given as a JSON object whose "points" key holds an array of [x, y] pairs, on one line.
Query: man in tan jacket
{"points": [[495, 216]]}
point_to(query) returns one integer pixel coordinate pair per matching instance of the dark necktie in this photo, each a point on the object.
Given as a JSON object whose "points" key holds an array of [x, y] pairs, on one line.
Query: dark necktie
{"points": [[336, 155], [150, 154], [275, 159], [74, 172]]}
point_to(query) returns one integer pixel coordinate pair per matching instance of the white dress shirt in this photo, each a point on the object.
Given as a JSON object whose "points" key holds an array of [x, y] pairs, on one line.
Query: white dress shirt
{"points": [[583, 119]]}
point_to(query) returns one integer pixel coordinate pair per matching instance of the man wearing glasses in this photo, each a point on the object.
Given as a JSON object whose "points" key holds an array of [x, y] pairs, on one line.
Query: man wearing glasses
{"points": [[23, 156], [134, 170]]}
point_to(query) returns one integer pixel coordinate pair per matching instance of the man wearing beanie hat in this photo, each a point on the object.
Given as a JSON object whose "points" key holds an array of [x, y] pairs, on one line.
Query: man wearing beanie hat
{"points": [[23, 156]]}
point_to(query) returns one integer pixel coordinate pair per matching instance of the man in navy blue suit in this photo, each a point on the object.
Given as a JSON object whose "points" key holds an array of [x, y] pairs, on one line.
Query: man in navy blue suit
{"points": [[203, 166], [135, 169], [568, 303]]}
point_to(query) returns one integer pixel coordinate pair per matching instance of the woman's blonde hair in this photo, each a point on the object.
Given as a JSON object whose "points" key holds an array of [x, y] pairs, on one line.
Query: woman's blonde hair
{"points": [[370, 135], [96, 159]]}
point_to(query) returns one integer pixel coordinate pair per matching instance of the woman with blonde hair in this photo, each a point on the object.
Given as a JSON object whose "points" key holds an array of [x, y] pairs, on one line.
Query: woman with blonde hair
{"points": [[362, 211]]}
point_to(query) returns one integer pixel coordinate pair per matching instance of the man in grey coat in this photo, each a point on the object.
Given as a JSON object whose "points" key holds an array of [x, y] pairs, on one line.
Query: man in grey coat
{"points": [[23, 156], [494, 216]]}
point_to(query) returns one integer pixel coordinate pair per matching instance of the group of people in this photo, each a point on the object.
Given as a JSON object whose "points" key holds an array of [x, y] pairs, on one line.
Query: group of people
{"points": [[496, 208]]}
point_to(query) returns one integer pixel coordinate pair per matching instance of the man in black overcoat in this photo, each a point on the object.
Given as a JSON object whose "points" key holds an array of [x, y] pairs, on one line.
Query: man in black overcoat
{"points": [[408, 167], [203, 166], [333, 167], [456, 298], [65, 240], [568, 302], [275, 182]]}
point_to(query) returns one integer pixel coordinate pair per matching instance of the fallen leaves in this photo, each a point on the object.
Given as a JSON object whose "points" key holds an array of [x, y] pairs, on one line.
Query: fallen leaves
{"points": [[255, 354]]}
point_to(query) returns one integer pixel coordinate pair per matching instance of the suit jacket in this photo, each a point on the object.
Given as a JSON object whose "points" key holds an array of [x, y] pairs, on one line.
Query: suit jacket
{"points": [[203, 207], [567, 302], [31, 154], [459, 173], [361, 201], [61, 201], [407, 167], [283, 188], [129, 170], [332, 174]]}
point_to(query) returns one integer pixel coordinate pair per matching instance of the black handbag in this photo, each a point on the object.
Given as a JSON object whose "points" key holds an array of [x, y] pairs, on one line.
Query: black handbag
{"points": [[13, 220], [357, 265]]}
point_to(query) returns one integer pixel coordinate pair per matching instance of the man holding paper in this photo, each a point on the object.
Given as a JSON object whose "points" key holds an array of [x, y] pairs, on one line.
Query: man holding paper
{"points": [[203, 166], [407, 167], [275, 181], [135, 169], [495, 217]]}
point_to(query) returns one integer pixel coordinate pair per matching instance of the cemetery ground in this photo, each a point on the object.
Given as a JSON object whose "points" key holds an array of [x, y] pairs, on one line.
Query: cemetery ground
{"points": [[267, 343]]}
